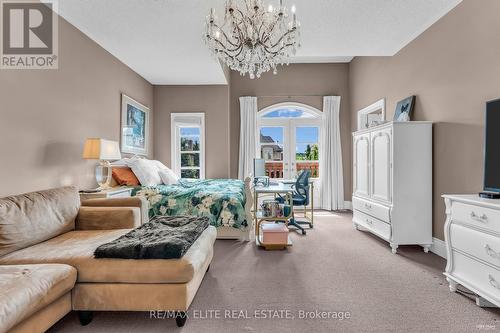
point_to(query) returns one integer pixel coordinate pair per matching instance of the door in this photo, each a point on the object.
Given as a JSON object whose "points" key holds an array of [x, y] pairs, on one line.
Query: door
{"points": [[288, 147], [289, 141], [361, 163], [381, 165]]}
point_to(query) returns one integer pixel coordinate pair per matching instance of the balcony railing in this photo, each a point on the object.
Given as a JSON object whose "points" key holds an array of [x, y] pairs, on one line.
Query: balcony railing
{"points": [[275, 169], [313, 166]]}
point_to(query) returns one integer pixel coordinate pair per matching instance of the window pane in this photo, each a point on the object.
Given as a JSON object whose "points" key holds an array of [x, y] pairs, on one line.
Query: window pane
{"points": [[190, 159], [311, 166], [190, 143], [307, 134], [186, 131], [190, 173], [271, 140], [289, 113], [307, 149], [307, 152], [274, 170]]}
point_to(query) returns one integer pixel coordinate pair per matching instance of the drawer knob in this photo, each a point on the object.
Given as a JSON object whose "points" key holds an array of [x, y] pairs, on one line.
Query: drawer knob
{"points": [[494, 282], [367, 206], [483, 218], [369, 221], [492, 253]]}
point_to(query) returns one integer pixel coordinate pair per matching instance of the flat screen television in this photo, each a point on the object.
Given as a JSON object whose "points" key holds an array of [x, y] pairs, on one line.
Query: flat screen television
{"points": [[492, 147]]}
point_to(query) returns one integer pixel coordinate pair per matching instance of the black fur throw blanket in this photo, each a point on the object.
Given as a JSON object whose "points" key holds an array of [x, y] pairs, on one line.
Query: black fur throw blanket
{"points": [[163, 237]]}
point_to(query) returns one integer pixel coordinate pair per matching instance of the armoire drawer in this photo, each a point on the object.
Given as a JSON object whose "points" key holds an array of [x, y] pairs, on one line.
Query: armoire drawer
{"points": [[378, 211], [484, 278], [379, 228], [481, 217], [484, 246]]}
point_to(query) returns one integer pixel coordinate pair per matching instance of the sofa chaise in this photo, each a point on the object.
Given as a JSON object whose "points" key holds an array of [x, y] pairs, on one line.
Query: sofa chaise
{"points": [[53, 231]]}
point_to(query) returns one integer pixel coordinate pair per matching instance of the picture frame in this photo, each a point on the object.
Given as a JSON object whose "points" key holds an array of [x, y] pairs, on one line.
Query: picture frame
{"points": [[134, 129], [372, 115], [404, 109]]}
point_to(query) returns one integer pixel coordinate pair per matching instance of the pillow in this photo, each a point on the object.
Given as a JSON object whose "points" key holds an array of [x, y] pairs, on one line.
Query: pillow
{"points": [[159, 165], [125, 176], [168, 176], [121, 162], [145, 171]]}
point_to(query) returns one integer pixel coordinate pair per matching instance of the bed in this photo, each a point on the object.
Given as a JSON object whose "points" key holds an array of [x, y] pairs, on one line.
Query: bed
{"points": [[226, 202]]}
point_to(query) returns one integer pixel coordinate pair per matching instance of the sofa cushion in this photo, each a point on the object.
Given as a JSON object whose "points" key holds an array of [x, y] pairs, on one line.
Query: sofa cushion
{"points": [[76, 248], [27, 289], [32, 218]]}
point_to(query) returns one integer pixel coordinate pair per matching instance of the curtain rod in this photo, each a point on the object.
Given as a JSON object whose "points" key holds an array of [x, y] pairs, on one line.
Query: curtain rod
{"points": [[288, 96]]}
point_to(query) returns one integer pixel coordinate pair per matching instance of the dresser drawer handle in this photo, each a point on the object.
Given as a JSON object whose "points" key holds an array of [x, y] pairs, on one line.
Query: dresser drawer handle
{"points": [[494, 282], [367, 206], [483, 218], [369, 221], [492, 253]]}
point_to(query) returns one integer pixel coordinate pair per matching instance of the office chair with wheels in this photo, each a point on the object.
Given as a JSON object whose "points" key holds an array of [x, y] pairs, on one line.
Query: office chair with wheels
{"points": [[300, 198]]}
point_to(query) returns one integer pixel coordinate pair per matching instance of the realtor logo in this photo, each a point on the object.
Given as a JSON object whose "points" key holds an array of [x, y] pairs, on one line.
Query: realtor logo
{"points": [[28, 34]]}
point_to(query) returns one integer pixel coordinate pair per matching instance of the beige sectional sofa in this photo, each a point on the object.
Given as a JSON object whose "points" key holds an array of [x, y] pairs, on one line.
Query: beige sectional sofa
{"points": [[34, 297], [52, 231]]}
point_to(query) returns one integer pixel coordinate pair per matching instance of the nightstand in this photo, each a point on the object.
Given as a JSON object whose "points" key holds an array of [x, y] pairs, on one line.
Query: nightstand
{"points": [[114, 192]]}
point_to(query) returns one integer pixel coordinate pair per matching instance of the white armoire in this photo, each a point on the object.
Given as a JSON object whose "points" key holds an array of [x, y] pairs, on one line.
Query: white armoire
{"points": [[392, 182]]}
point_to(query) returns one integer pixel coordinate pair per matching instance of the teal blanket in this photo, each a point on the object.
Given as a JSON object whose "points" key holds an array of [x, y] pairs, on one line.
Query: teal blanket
{"points": [[221, 200]]}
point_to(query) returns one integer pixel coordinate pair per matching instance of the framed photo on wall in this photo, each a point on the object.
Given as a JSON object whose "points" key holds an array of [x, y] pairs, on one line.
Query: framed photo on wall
{"points": [[134, 127], [404, 109]]}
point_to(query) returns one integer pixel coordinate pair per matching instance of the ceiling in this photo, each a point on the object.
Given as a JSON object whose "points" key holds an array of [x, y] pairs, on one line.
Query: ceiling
{"points": [[162, 39]]}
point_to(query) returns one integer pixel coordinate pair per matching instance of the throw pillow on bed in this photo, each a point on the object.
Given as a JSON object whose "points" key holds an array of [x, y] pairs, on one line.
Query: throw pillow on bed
{"points": [[168, 176], [125, 176], [145, 170]]}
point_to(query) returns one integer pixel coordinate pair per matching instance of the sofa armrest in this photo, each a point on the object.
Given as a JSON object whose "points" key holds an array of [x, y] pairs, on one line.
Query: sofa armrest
{"points": [[108, 218], [139, 202]]}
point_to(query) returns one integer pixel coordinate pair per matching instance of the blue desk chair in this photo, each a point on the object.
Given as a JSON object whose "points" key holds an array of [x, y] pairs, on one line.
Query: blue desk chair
{"points": [[300, 198]]}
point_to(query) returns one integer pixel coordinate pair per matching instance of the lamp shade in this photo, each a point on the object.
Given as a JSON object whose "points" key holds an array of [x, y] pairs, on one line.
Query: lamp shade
{"points": [[101, 149]]}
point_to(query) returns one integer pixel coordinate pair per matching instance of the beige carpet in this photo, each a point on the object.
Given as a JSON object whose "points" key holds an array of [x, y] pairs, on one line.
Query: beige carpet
{"points": [[334, 268]]}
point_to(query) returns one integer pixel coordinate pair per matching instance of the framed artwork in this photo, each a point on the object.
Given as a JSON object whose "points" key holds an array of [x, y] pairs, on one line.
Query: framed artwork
{"points": [[404, 109], [134, 127], [372, 115]]}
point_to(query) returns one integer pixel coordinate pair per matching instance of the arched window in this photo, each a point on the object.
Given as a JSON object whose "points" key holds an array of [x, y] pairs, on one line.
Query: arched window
{"points": [[289, 139]]}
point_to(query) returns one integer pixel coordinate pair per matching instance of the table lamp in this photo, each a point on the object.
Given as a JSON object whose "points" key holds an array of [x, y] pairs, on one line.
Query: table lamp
{"points": [[104, 151]]}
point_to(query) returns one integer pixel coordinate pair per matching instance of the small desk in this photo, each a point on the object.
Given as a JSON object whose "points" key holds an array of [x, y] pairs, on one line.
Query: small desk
{"points": [[272, 189]]}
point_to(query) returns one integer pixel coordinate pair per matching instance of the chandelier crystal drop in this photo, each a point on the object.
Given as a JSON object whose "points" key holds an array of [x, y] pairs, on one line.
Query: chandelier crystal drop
{"points": [[251, 38]]}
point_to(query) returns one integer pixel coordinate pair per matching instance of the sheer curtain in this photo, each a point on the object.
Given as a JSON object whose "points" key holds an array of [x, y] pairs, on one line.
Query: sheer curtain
{"points": [[332, 176], [248, 130]]}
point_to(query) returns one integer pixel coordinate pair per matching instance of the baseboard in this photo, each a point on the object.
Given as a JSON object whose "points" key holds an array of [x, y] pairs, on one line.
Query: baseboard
{"points": [[347, 205], [438, 247]]}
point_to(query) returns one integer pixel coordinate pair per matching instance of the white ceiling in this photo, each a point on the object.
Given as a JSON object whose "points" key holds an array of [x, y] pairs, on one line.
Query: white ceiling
{"points": [[162, 39]]}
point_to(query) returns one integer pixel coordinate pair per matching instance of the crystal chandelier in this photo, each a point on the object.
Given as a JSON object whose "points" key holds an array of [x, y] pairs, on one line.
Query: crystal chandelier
{"points": [[252, 39]]}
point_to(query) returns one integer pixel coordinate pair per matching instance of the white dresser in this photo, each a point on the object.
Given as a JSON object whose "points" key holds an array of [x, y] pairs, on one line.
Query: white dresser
{"points": [[392, 182], [472, 233]]}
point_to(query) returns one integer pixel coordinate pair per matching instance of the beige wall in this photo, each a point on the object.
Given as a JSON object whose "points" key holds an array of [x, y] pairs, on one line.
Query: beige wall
{"points": [[305, 83], [45, 115], [453, 68], [214, 101]]}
